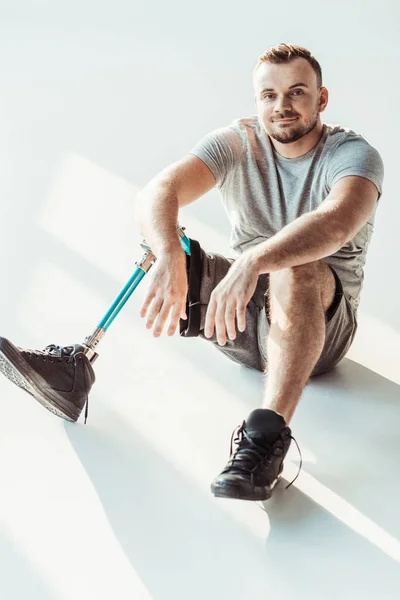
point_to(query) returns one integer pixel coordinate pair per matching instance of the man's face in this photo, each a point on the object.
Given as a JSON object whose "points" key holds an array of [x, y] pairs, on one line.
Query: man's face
{"points": [[288, 100]]}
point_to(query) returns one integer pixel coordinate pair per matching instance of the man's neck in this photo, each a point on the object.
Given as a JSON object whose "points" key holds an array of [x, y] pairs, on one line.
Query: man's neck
{"points": [[301, 146]]}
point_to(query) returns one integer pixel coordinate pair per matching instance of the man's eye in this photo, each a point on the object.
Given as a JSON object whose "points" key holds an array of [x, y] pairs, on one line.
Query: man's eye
{"points": [[268, 97], [298, 92]]}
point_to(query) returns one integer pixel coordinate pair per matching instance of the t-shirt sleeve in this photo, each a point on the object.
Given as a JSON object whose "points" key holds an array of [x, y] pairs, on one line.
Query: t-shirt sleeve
{"points": [[356, 157], [221, 150]]}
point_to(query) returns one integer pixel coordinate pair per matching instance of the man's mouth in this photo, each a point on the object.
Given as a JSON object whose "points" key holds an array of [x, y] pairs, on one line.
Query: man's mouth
{"points": [[285, 120]]}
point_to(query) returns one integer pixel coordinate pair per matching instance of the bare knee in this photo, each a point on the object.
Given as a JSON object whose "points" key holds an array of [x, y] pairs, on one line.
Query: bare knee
{"points": [[294, 277], [314, 279]]}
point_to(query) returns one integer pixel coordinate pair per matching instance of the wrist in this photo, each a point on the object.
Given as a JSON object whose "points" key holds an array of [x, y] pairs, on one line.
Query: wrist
{"points": [[171, 252], [253, 260]]}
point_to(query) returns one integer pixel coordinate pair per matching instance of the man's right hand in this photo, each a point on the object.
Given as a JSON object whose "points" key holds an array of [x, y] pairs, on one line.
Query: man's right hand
{"points": [[167, 293]]}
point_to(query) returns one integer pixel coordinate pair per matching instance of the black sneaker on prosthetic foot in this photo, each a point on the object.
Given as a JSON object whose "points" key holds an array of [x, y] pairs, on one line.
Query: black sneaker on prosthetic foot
{"points": [[60, 378], [256, 465]]}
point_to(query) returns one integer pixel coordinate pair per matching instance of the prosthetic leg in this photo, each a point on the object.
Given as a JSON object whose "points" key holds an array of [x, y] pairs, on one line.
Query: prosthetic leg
{"points": [[91, 342], [61, 377]]}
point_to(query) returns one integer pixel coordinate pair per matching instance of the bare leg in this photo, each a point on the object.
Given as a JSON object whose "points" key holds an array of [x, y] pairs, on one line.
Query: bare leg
{"points": [[299, 298]]}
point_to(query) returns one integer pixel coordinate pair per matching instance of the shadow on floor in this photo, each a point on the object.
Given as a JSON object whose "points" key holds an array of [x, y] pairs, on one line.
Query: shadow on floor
{"points": [[182, 544]]}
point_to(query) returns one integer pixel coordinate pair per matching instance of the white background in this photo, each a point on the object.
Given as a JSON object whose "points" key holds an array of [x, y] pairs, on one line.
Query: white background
{"points": [[94, 100]]}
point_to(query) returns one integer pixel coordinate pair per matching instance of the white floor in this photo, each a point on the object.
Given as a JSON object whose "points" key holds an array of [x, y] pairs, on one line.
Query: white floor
{"points": [[121, 508]]}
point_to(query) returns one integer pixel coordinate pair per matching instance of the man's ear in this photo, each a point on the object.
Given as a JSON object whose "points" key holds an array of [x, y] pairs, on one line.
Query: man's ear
{"points": [[323, 99]]}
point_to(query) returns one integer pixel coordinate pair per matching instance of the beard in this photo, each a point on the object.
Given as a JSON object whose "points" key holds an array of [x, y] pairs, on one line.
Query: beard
{"points": [[293, 132]]}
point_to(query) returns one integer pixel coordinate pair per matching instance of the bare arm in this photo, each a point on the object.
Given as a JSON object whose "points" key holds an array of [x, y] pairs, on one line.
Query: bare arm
{"points": [[319, 233], [158, 203]]}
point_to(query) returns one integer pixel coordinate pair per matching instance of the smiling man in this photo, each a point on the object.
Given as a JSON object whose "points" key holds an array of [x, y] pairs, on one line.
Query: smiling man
{"points": [[301, 198], [290, 122]]}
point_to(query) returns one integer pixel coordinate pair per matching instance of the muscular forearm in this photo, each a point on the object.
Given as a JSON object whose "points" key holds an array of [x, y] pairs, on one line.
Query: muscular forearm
{"points": [[310, 237], [157, 217]]}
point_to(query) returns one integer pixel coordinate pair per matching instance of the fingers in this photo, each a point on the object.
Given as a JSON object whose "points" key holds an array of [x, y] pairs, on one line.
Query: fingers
{"points": [[226, 313], [177, 313], [241, 316], [221, 317], [161, 319], [230, 314], [160, 310], [210, 318], [157, 308], [146, 304], [220, 329]]}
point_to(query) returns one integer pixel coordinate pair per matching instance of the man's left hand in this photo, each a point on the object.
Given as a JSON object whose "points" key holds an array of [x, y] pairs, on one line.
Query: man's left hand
{"points": [[230, 298]]}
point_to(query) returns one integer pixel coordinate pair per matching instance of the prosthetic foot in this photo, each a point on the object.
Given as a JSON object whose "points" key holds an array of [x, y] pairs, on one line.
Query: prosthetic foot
{"points": [[61, 377]]}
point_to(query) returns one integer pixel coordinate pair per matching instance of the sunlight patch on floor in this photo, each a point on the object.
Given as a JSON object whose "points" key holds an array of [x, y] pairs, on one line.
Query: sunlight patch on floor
{"points": [[58, 491], [345, 512], [91, 211]]}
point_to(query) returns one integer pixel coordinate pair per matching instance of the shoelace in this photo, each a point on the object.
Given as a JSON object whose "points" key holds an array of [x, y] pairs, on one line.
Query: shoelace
{"points": [[86, 409], [59, 351], [247, 452], [252, 451], [53, 351]]}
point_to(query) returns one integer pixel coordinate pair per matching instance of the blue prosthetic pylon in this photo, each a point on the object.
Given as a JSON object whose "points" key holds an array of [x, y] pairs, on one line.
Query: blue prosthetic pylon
{"points": [[142, 267]]}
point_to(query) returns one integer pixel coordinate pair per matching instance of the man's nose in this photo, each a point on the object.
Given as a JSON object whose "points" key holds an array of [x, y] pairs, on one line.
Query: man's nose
{"points": [[282, 104]]}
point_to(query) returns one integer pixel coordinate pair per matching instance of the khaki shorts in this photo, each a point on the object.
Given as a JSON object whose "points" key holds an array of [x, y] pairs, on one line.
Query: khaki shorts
{"points": [[206, 270]]}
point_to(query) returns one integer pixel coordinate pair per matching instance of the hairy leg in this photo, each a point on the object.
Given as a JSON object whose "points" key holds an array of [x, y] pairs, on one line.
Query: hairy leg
{"points": [[298, 299]]}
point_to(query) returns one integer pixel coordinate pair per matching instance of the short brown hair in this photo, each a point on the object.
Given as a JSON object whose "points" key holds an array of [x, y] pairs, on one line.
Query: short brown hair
{"points": [[284, 53]]}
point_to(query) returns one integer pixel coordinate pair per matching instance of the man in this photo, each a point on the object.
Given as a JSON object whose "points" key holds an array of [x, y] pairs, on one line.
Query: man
{"points": [[301, 198]]}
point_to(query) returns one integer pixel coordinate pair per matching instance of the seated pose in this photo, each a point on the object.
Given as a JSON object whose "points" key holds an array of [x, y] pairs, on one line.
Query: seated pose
{"points": [[301, 197]]}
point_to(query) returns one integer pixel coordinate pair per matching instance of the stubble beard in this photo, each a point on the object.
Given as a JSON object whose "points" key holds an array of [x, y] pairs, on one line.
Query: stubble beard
{"points": [[292, 134]]}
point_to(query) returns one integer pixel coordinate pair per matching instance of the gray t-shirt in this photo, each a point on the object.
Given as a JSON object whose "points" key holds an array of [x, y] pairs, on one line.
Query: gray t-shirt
{"points": [[262, 191]]}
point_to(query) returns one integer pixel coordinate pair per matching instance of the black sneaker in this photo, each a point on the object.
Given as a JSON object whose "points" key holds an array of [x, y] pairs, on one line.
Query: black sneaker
{"points": [[60, 378], [255, 467]]}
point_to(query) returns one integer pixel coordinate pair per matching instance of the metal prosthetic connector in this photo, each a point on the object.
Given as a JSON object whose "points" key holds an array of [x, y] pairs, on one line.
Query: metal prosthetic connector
{"points": [[91, 342]]}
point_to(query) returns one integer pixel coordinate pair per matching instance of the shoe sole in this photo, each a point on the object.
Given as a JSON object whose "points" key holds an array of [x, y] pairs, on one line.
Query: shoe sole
{"points": [[12, 366], [236, 492]]}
